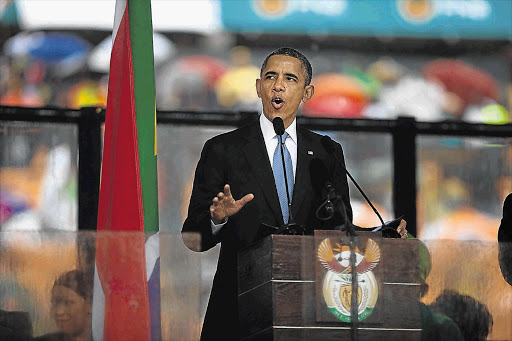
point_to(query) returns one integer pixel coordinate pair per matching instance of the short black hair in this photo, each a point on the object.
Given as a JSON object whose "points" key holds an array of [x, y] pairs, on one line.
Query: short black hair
{"points": [[470, 315], [288, 51], [77, 281]]}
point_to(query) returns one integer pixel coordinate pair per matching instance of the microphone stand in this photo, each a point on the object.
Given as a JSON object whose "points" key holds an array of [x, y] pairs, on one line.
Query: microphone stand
{"points": [[353, 241], [350, 229]]}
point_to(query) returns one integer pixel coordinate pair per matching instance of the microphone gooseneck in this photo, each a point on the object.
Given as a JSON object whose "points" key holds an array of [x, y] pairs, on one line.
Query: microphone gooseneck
{"points": [[330, 146], [322, 184]]}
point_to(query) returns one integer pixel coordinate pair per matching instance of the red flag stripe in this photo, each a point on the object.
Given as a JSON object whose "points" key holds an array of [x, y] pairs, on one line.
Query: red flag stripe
{"points": [[120, 258]]}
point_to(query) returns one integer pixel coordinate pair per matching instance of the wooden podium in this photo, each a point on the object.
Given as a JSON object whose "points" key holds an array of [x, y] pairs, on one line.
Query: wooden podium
{"points": [[282, 289]]}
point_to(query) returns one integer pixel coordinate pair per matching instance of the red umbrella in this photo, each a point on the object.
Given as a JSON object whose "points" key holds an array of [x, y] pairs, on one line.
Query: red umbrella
{"points": [[336, 96], [470, 84], [334, 105], [210, 68]]}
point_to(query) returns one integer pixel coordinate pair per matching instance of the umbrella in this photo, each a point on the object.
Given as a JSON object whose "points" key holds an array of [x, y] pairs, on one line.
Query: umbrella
{"points": [[236, 87], [334, 106], [56, 47], [189, 82], [50, 47], [470, 84], [99, 58], [210, 68], [65, 53], [336, 95]]}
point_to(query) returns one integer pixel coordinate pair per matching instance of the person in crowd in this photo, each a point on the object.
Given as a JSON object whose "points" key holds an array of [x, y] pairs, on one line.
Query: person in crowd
{"points": [[71, 308], [239, 188], [15, 326], [234, 89], [434, 326], [505, 240], [471, 316]]}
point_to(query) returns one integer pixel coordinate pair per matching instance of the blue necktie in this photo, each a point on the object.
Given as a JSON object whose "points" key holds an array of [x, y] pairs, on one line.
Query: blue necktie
{"points": [[279, 176]]}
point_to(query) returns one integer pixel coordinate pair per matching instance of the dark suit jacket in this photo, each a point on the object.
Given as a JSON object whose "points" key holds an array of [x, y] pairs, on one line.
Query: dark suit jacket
{"points": [[239, 158], [505, 240]]}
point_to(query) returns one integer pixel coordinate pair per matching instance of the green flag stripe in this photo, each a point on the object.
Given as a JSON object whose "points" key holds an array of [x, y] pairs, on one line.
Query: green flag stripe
{"points": [[141, 33]]}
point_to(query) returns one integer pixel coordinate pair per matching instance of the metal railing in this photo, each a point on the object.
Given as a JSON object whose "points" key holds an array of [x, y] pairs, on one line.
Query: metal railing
{"points": [[404, 132]]}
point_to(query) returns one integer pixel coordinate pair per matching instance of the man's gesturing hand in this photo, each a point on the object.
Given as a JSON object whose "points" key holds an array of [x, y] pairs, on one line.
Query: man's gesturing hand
{"points": [[402, 229], [224, 205]]}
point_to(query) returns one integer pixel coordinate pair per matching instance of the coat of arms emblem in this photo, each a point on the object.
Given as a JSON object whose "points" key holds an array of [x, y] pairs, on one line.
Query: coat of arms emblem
{"points": [[337, 287]]}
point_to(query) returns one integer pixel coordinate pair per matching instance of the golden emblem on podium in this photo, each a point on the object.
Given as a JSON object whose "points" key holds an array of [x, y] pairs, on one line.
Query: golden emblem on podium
{"points": [[337, 284]]}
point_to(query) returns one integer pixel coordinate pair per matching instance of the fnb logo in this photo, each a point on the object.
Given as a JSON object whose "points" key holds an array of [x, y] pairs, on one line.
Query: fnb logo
{"points": [[276, 9], [271, 8], [416, 11]]}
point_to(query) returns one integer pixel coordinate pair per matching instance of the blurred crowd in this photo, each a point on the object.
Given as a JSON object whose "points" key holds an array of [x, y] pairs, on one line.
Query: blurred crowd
{"points": [[64, 70]]}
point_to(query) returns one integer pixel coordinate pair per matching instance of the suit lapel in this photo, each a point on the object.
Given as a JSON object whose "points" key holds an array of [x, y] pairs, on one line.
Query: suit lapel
{"points": [[256, 155], [302, 176]]}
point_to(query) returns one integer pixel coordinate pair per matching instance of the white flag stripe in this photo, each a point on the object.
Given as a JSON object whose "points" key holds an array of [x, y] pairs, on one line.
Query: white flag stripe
{"points": [[120, 9], [152, 253], [98, 308]]}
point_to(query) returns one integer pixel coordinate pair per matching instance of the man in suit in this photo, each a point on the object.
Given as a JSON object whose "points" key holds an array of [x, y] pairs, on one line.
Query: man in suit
{"points": [[240, 164]]}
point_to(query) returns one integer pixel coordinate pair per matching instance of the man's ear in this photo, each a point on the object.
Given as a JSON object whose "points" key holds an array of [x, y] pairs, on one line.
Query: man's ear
{"points": [[258, 87], [309, 91]]}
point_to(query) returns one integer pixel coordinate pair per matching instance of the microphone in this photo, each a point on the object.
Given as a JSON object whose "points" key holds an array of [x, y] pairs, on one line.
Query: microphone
{"points": [[278, 124], [388, 228], [291, 227]]}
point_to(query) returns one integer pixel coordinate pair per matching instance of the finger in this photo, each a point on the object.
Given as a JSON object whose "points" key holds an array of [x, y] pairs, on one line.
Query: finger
{"points": [[227, 190], [402, 225], [220, 196], [214, 215], [245, 199]]}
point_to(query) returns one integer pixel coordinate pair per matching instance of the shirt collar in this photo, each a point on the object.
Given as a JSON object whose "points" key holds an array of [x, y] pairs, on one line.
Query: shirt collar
{"points": [[267, 128]]}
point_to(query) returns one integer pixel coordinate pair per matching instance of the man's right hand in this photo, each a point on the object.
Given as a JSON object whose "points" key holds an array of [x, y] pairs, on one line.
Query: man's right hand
{"points": [[224, 205]]}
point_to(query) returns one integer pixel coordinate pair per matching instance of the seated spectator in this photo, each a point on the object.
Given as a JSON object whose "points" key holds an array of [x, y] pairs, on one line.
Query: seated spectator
{"points": [[15, 326], [471, 316], [71, 308], [434, 326]]}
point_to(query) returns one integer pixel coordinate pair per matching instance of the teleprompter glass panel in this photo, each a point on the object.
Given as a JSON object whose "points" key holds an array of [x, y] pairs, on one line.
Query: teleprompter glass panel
{"points": [[38, 176], [462, 183]]}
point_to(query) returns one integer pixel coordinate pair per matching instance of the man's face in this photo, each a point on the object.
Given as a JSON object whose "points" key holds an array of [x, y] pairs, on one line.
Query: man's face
{"points": [[282, 88]]}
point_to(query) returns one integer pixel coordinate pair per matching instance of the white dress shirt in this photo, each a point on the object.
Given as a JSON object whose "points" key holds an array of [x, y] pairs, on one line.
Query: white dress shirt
{"points": [[270, 138]]}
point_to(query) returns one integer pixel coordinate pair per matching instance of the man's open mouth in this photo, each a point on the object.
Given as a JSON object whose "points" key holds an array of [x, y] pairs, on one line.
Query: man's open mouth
{"points": [[277, 103]]}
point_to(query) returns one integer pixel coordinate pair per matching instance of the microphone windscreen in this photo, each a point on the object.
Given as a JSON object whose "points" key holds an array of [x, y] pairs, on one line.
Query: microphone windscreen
{"points": [[278, 125], [319, 174], [328, 143]]}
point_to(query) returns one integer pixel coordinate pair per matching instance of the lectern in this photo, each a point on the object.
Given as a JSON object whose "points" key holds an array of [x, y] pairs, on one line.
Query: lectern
{"points": [[298, 288]]}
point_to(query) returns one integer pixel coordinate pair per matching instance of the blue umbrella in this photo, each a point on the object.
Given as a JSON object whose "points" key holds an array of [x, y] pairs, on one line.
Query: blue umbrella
{"points": [[56, 47]]}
